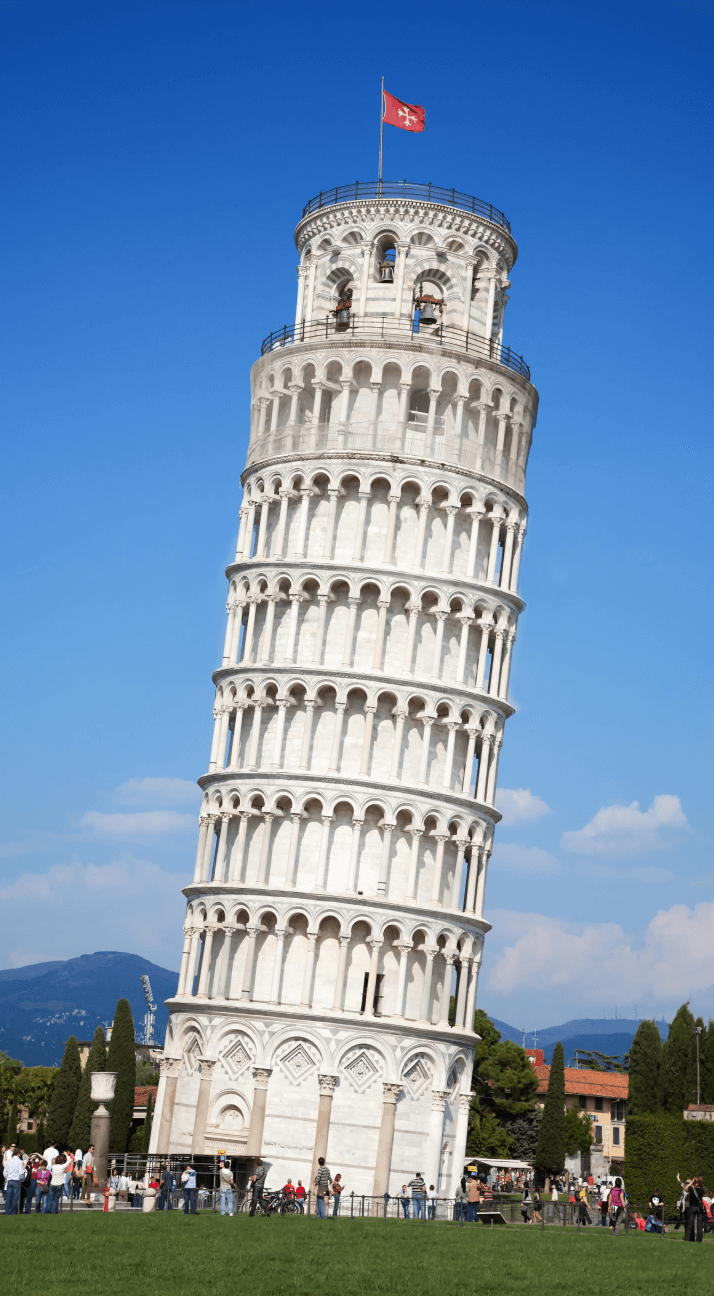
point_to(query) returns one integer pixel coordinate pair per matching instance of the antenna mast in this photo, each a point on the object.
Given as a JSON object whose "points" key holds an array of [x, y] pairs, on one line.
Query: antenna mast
{"points": [[150, 1017]]}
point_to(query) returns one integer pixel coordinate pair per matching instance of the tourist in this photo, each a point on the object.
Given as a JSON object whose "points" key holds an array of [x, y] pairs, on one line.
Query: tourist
{"points": [[31, 1185], [695, 1211], [257, 1179], [50, 1153], [188, 1179], [337, 1190], [432, 1199], [583, 1212], [166, 1184], [650, 1225], [322, 1188], [461, 1197], [68, 1175], [300, 1196], [14, 1172], [537, 1207], [226, 1184], [88, 1173], [418, 1191], [656, 1204], [473, 1192], [404, 1199], [78, 1157], [526, 1203], [616, 1205], [683, 1203], [604, 1197], [76, 1179], [57, 1173], [554, 1192]]}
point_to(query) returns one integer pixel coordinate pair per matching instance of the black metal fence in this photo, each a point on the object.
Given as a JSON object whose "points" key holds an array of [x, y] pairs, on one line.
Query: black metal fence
{"points": [[384, 327], [406, 189]]}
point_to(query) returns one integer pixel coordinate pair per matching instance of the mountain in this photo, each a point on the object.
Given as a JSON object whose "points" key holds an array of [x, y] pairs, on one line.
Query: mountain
{"points": [[610, 1035], [42, 1004]]}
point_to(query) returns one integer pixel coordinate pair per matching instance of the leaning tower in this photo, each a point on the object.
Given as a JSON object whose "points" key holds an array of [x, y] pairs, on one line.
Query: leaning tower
{"points": [[334, 925]]}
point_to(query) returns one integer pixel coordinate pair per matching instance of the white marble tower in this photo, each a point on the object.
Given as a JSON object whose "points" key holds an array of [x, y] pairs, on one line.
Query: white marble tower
{"points": [[348, 810]]}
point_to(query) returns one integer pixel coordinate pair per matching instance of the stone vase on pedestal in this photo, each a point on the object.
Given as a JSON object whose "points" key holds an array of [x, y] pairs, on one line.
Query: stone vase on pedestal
{"points": [[103, 1085]]}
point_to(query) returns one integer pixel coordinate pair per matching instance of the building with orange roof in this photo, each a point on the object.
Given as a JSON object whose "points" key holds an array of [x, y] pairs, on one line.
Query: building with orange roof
{"points": [[602, 1095]]}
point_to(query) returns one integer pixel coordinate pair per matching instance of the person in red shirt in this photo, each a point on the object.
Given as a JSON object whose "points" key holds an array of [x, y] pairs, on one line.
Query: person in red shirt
{"points": [[300, 1196]]}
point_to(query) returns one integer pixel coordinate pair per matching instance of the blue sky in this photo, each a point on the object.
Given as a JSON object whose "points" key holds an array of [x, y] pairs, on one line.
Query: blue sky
{"points": [[156, 158]]}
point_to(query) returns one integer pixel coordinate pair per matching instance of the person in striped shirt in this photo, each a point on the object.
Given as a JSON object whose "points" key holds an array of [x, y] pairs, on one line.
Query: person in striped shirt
{"points": [[322, 1182], [418, 1191]]}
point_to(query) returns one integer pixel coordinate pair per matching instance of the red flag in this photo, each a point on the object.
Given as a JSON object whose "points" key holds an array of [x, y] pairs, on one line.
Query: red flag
{"points": [[406, 116]]}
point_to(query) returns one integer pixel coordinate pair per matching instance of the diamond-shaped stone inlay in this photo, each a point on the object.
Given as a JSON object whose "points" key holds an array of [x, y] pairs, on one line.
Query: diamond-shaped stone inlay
{"points": [[418, 1075], [236, 1058], [361, 1071], [298, 1063], [191, 1054]]}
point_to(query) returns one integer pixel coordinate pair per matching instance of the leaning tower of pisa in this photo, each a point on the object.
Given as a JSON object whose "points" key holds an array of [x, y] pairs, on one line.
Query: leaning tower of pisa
{"points": [[334, 925]]}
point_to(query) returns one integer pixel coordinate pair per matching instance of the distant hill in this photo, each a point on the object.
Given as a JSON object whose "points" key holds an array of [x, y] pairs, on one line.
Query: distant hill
{"points": [[43, 1004], [611, 1035]]}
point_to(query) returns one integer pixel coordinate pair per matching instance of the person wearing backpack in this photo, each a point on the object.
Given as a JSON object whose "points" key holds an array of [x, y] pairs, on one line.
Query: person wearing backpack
{"points": [[695, 1212]]}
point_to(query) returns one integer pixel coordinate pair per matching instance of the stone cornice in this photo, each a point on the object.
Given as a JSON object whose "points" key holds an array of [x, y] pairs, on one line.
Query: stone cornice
{"points": [[380, 787], [283, 1014]]}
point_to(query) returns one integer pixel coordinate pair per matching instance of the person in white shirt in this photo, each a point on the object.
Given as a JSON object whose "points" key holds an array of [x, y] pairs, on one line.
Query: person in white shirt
{"points": [[432, 1198], [49, 1154], [58, 1170], [14, 1174], [78, 1158], [88, 1171]]}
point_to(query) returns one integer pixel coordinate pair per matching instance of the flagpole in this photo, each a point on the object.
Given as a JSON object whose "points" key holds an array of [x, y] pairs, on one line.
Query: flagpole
{"points": [[381, 134]]}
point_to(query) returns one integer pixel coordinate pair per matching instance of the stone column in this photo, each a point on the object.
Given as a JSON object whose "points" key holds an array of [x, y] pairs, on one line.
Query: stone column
{"points": [[468, 290], [367, 248], [436, 1130], [416, 834], [308, 970], [359, 532], [466, 623], [441, 840], [383, 1164], [461, 844], [438, 645], [241, 708], [277, 760], [485, 626], [321, 878], [169, 1068], [265, 848], [404, 948], [306, 493], [481, 884], [322, 1131], [402, 413], [483, 768], [460, 1008], [222, 840], [401, 716], [290, 878], [340, 708], [265, 503], [507, 555], [223, 971], [202, 991], [281, 933], [373, 412], [249, 961], [431, 951], [472, 731], [354, 855], [212, 819], [340, 978], [193, 956], [506, 666], [496, 663], [306, 748], [253, 601], [367, 740], [402, 252], [184, 960], [372, 977], [471, 996], [202, 830], [235, 638], [493, 770], [449, 959], [488, 322], [470, 897], [423, 505], [261, 1076], [322, 600], [451, 510], [198, 1142], [384, 860], [295, 601], [413, 609], [285, 495], [383, 605], [462, 1130], [388, 559], [517, 558], [434, 394], [252, 761], [476, 515], [236, 863], [350, 634], [302, 276], [312, 269], [496, 523], [452, 726], [427, 721]]}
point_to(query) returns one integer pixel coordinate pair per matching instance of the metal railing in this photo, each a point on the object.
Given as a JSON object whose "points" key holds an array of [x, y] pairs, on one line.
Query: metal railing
{"points": [[386, 327], [413, 440], [407, 189]]}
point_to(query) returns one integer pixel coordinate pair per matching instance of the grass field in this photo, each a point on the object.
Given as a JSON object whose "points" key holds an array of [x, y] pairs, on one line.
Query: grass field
{"points": [[142, 1255]]}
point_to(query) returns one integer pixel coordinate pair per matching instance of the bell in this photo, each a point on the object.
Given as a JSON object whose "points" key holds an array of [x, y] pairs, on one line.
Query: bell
{"points": [[386, 271], [343, 315], [427, 313]]}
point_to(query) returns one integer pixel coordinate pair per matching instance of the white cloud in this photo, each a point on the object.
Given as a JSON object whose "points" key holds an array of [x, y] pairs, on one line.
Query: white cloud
{"points": [[524, 859], [157, 792], [674, 960], [627, 830], [141, 824], [11, 850], [520, 805], [129, 905]]}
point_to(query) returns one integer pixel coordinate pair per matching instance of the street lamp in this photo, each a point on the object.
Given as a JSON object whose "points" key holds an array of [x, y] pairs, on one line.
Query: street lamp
{"points": [[697, 1032]]}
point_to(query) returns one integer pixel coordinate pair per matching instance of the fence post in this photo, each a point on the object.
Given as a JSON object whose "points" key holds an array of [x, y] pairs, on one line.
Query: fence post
{"points": [[662, 1233], [385, 1207], [352, 1205], [309, 1195], [362, 1209]]}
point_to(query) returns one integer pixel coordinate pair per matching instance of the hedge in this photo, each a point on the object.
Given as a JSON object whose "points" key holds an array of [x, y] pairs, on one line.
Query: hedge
{"points": [[656, 1147]]}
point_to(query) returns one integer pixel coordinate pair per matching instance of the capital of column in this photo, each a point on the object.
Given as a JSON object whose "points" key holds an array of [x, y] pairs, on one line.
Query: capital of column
{"points": [[327, 1084], [207, 1065], [438, 1099], [465, 1101], [390, 1092], [169, 1066], [261, 1076]]}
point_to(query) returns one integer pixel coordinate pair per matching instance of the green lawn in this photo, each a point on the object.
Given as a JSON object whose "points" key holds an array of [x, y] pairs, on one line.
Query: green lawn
{"points": [[142, 1255]]}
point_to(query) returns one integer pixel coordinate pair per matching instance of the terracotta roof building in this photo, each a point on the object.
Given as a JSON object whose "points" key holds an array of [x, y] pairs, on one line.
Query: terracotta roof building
{"points": [[603, 1096]]}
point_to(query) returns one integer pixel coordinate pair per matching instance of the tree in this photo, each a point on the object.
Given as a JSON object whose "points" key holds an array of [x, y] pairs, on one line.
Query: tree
{"points": [[591, 1060], [80, 1132], [486, 1137], [504, 1085], [148, 1122], [36, 1086], [679, 1063], [706, 1062], [64, 1096], [577, 1132], [550, 1149], [122, 1059], [645, 1090], [523, 1132]]}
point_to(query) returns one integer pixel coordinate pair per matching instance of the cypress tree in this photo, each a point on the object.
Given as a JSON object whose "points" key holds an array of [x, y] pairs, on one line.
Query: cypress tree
{"points": [[679, 1063], [40, 1136], [147, 1123], [550, 1148], [706, 1062], [645, 1092], [64, 1096], [79, 1135], [121, 1058]]}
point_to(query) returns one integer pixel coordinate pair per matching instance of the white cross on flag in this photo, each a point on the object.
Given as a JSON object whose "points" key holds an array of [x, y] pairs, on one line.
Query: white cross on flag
{"points": [[406, 116]]}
